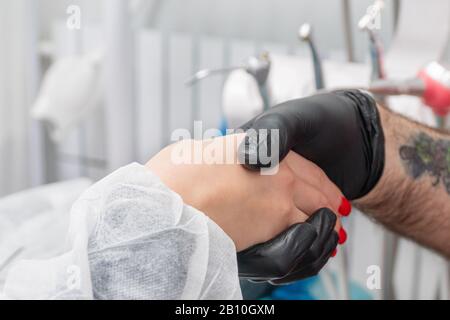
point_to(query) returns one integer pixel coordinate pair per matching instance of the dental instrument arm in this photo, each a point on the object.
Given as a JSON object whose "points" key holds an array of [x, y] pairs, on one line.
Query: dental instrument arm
{"points": [[257, 66], [305, 34], [368, 23], [432, 84]]}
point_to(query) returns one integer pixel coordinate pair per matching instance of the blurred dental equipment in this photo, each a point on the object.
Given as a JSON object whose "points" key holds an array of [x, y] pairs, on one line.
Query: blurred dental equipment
{"points": [[256, 66], [70, 90], [290, 77], [241, 99], [117, 250], [369, 23], [432, 84], [305, 34]]}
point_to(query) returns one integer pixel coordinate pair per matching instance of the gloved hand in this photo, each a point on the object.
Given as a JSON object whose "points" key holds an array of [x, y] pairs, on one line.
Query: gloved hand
{"points": [[339, 131], [297, 253]]}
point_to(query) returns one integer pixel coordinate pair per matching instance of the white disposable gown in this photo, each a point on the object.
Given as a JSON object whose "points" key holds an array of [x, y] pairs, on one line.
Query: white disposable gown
{"points": [[131, 237]]}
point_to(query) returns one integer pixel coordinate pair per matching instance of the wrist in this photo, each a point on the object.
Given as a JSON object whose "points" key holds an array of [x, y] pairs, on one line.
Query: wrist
{"points": [[378, 202], [372, 138], [185, 178], [205, 184]]}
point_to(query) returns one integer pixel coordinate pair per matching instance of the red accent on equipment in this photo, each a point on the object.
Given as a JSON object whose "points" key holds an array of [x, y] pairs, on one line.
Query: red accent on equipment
{"points": [[436, 95]]}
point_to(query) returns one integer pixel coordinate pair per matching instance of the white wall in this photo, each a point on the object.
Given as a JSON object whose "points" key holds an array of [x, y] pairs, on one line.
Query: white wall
{"points": [[259, 20], [19, 136]]}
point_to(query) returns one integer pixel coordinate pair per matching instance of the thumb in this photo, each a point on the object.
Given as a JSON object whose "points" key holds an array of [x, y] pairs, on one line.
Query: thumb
{"points": [[271, 135]]}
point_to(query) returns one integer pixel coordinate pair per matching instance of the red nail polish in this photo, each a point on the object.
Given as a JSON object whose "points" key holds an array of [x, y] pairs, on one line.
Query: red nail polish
{"points": [[334, 253], [345, 208], [342, 236]]}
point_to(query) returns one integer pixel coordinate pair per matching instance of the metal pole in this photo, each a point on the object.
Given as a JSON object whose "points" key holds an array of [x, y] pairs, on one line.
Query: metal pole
{"points": [[118, 77], [347, 24]]}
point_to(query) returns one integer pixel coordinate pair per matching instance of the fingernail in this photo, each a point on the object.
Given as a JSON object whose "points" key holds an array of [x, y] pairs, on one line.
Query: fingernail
{"points": [[345, 208], [342, 236], [334, 252]]}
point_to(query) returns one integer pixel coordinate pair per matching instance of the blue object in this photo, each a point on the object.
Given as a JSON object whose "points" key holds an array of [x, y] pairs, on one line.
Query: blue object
{"points": [[313, 289], [223, 126]]}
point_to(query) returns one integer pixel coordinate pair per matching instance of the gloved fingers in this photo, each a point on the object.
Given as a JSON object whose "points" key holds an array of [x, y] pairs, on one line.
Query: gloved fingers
{"points": [[310, 173], [319, 253], [275, 258], [312, 268], [323, 220]]}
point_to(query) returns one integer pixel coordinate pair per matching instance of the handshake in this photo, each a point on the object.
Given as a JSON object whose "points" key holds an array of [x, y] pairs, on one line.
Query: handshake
{"points": [[285, 225]]}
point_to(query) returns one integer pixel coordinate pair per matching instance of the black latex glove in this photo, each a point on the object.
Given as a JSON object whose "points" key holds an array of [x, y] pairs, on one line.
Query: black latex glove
{"points": [[297, 253], [339, 131]]}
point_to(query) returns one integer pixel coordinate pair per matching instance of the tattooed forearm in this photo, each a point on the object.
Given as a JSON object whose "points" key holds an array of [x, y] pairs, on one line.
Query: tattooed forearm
{"points": [[425, 155], [412, 196]]}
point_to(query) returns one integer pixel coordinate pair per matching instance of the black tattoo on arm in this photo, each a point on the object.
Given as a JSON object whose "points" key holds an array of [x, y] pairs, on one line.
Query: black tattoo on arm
{"points": [[428, 155]]}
